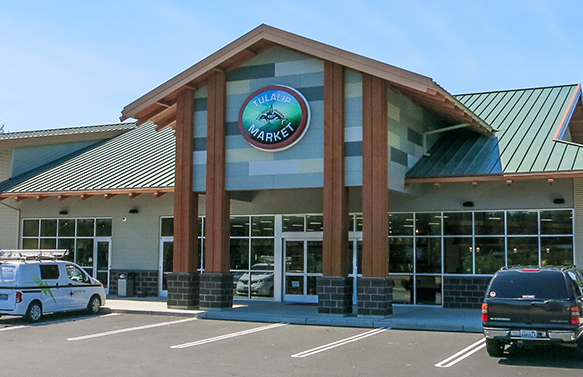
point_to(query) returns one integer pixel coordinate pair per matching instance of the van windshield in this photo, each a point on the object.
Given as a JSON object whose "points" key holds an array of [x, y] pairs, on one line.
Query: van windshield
{"points": [[541, 285], [7, 274]]}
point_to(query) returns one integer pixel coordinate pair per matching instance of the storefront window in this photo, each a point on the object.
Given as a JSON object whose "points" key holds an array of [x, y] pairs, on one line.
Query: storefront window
{"points": [[428, 224], [458, 255], [48, 228], [293, 223], [167, 227], [30, 228], [240, 226], [489, 223], [428, 290], [489, 254], [314, 223], [556, 251], [401, 224], [262, 226], [522, 222], [103, 228], [401, 255], [556, 222], [457, 223], [402, 289], [66, 228], [522, 251], [428, 255], [85, 228]]}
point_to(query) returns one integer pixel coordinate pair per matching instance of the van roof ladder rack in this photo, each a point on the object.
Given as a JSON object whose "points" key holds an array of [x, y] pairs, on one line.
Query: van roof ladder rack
{"points": [[37, 254]]}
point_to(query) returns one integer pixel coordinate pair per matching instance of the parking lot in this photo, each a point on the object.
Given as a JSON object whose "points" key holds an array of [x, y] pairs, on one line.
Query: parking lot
{"points": [[155, 345]]}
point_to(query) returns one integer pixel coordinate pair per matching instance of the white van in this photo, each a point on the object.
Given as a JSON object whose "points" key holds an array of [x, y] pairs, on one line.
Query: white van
{"points": [[34, 282]]}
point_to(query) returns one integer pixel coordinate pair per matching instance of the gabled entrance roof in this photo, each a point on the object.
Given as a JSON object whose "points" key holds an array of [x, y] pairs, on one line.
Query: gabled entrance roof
{"points": [[159, 105]]}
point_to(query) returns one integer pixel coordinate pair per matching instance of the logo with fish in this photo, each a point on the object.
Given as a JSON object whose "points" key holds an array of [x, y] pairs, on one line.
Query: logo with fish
{"points": [[274, 118]]}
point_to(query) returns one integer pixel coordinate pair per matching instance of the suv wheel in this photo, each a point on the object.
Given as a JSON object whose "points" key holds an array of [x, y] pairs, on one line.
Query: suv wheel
{"points": [[34, 312], [495, 348]]}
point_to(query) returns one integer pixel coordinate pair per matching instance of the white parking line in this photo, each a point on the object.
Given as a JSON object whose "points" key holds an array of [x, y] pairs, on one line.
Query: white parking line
{"points": [[466, 352], [12, 328], [339, 343], [229, 336], [121, 331]]}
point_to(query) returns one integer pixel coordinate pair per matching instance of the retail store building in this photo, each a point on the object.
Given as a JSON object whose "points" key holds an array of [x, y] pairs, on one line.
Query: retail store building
{"points": [[280, 168]]}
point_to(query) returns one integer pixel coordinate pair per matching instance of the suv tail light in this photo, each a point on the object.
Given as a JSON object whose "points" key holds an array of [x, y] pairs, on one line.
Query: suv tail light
{"points": [[575, 315], [18, 297], [485, 312]]}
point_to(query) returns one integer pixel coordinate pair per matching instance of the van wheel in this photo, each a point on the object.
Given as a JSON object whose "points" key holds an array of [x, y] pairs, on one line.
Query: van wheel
{"points": [[34, 312], [94, 305], [495, 348]]}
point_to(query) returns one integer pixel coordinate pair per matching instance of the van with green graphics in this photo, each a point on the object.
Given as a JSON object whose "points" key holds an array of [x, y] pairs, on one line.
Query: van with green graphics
{"points": [[35, 282]]}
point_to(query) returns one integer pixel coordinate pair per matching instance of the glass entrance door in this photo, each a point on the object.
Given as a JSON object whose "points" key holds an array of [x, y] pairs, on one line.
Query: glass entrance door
{"points": [[101, 257], [303, 265], [166, 264], [355, 266]]}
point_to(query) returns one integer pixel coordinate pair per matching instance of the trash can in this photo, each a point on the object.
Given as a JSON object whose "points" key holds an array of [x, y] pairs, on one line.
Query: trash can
{"points": [[126, 284]]}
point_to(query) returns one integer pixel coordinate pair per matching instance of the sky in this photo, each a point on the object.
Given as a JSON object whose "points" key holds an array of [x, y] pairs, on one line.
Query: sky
{"points": [[69, 63]]}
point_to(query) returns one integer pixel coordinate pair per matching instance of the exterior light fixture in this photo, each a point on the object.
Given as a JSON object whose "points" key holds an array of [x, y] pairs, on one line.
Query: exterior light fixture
{"points": [[134, 210], [63, 212], [468, 204], [559, 201]]}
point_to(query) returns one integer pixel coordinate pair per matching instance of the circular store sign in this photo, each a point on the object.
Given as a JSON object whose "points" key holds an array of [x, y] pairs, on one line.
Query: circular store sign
{"points": [[274, 117]]}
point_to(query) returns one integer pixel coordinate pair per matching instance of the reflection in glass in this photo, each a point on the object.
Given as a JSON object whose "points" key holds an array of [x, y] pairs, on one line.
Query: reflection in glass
{"points": [[262, 226], [30, 228], [48, 228], [293, 223], [167, 262], [428, 255], [314, 223], [314, 257], [428, 224], [30, 243], [401, 224], [312, 285], [556, 251], [102, 263], [458, 255], [103, 228], [400, 254], [522, 222], [402, 289], [69, 244], [66, 228], [522, 251], [294, 256], [167, 227], [489, 254], [262, 253], [428, 290], [48, 243], [239, 254], [489, 223], [457, 223], [240, 226], [85, 228], [556, 222], [85, 252]]}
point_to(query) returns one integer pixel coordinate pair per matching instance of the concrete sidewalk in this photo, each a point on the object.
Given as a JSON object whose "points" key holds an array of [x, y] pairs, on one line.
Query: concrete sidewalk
{"points": [[405, 317]]}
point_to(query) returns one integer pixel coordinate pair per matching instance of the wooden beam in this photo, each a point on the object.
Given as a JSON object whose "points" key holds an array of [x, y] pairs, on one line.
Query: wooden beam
{"points": [[375, 178], [85, 197], [185, 200], [62, 197], [133, 194], [3, 198], [19, 198], [335, 248], [217, 253], [158, 194], [109, 196], [40, 198]]}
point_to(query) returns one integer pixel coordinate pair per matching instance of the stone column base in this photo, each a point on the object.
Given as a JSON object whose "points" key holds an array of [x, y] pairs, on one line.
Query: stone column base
{"points": [[375, 297], [335, 295], [216, 291], [183, 290]]}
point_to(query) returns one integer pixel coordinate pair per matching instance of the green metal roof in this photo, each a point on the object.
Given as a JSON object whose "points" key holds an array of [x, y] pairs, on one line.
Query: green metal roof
{"points": [[67, 131], [142, 158], [526, 120]]}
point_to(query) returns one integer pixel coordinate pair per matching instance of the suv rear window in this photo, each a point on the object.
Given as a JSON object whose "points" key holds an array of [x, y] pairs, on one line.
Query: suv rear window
{"points": [[542, 285]]}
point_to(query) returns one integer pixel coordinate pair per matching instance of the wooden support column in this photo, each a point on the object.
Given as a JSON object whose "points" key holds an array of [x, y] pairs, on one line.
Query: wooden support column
{"points": [[217, 252], [375, 178], [335, 239], [185, 200]]}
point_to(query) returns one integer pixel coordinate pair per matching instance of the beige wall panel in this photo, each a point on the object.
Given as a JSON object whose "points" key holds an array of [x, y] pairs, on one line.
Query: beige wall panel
{"points": [[9, 215], [135, 241]]}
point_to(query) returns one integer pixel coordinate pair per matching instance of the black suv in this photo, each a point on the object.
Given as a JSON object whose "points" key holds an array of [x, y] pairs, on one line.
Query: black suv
{"points": [[534, 306]]}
